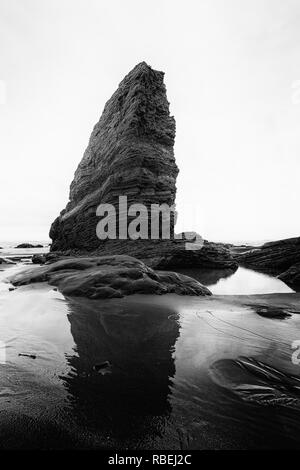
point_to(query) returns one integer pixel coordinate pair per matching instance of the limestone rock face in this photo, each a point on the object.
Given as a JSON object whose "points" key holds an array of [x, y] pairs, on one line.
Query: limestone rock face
{"points": [[107, 277], [130, 153]]}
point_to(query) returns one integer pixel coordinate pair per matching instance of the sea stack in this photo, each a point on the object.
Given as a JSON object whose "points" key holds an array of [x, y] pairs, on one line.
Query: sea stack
{"points": [[130, 153]]}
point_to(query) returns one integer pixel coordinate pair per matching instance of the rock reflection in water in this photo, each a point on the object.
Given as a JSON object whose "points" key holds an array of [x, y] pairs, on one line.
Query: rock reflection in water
{"points": [[130, 401]]}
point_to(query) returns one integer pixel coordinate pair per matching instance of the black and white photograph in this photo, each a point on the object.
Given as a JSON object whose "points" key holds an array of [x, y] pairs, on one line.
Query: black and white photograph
{"points": [[149, 228]]}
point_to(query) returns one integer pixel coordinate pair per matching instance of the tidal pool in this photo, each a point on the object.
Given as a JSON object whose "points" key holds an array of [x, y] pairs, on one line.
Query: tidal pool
{"points": [[241, 282]]}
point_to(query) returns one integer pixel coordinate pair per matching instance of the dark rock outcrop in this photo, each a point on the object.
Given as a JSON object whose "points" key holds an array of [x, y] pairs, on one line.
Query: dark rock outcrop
{"points": [[39, 259], [108, 277], [273, 258], [269, 311], [173, 255], [43, 258], [130, 153]]}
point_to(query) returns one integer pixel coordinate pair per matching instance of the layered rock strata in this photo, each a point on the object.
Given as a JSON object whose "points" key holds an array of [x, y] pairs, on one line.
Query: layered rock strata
{"points": [[130, 154]]}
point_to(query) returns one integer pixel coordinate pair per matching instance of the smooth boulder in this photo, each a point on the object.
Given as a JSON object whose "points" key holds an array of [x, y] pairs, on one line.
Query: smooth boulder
{"points": [[108, 277]]}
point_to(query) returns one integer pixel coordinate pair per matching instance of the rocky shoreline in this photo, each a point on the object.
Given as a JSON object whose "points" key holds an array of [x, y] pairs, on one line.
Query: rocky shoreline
{"points": [[280, 258]]}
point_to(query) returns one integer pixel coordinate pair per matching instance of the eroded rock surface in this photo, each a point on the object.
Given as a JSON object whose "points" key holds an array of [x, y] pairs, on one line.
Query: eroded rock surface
{"points": [[108, 277]]}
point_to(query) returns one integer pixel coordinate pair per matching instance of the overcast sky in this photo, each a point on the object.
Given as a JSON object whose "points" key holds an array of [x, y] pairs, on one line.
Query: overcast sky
{"points": [[233, 80]]}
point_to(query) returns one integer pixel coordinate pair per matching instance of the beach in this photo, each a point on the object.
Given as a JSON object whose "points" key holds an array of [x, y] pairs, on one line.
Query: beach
{"points": [[150, 372]]}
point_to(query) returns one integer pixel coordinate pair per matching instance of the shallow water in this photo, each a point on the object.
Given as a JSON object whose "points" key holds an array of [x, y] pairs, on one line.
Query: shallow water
{"points": [[241, 282], [182, 372]]}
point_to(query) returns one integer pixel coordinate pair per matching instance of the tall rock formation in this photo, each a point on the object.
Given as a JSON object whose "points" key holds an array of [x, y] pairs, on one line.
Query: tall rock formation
{"points": [[130, 153]]}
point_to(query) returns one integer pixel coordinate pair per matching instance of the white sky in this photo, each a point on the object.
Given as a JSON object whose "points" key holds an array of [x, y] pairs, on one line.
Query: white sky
{"points": [[230, 70]]}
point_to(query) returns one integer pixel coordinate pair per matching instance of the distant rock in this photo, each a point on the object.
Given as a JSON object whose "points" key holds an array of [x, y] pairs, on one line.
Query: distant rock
{"points": [[108, 277], [130, 153], [25, 245], [28, 245]]}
